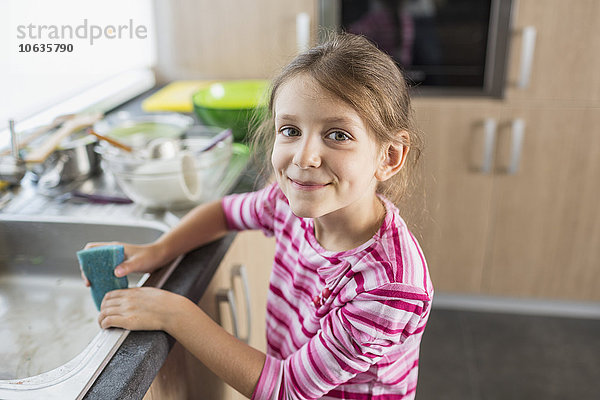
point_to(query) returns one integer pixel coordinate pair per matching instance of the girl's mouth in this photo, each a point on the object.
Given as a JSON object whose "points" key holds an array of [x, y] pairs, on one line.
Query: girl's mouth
{"points": [[306, 186]]}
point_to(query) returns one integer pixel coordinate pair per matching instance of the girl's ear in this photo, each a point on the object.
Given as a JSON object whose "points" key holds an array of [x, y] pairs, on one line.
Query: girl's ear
{"points": [[393, 158]]}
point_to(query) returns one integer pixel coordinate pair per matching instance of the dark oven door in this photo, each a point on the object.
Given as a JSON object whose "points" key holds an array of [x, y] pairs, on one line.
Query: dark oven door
{"points": [[443, 46]]}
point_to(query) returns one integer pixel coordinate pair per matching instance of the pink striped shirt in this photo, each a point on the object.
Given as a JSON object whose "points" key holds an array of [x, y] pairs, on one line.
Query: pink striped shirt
{"points": [[340, 325]]}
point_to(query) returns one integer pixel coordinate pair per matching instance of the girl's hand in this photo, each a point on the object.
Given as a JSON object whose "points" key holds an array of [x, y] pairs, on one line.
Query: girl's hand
{"points": [[144, 308], [138, 258]]}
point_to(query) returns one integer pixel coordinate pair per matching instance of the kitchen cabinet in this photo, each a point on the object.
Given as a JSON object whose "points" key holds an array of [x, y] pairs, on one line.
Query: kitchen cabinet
{"points": [[183, 376], [526, 222], [228, 39], [546, 224], [565, 55], [458, 195], [525, 230]]}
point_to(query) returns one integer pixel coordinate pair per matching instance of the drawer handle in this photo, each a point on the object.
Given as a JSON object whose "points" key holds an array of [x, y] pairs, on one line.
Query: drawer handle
{"points": [[228, 296], [240, 271], [527, 51], [516, 147], [489, 132]]}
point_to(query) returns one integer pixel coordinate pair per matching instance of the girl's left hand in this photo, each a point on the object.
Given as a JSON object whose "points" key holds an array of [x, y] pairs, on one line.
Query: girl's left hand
{"points": [[144, 308]]}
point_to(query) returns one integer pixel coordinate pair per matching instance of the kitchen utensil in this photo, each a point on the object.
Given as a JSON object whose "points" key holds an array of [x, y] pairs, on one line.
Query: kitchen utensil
{"points": [[157, 148], [74, 159], [162, 148], [138, 131], [97, 198], [217, 139], [41, 152], [178, 182], [12, 168], [31, 136], [110, 140], [231, 104]]}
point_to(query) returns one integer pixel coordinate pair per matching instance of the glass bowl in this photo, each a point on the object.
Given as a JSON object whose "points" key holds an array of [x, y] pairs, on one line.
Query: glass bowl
{"points": [[188, 178]]}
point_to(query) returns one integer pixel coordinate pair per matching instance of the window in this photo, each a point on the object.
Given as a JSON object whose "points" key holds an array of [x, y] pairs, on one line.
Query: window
{"points": [[55, 51]]}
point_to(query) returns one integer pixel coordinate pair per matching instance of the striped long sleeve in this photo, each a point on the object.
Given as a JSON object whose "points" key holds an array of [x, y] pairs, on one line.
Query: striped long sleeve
{"points": [[339, 324]]}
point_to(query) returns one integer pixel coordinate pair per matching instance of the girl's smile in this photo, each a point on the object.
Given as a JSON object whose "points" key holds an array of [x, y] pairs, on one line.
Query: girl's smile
{"points": [[307, 186]]}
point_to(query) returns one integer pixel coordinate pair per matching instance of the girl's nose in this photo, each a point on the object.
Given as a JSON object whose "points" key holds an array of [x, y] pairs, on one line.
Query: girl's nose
{"points": [[308, 154]]}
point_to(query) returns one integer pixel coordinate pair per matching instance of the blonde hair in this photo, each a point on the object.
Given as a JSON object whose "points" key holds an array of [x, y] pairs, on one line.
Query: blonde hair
{"points": [[357, 72]]}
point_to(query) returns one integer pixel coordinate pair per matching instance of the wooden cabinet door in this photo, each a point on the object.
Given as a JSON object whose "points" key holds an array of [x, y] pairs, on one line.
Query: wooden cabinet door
{"points": [[183, 376], [566, 58], [255, 252], [458, 194], [546, 223], [227, 39]]}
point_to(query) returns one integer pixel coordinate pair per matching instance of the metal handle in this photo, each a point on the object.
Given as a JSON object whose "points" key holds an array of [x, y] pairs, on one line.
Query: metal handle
{"points": [[516, 148], [227, 296], [14, 141], [489, 131], [527, 51], [240, 271]]}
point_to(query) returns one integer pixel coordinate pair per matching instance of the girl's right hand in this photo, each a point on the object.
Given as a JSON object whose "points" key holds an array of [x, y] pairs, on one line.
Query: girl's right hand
{"points": [[138, 258]]}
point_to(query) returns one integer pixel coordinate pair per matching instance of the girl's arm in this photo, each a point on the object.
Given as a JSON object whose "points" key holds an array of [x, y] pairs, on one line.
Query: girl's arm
{"points": [[228, 357], [149, 308], [202, 225]]}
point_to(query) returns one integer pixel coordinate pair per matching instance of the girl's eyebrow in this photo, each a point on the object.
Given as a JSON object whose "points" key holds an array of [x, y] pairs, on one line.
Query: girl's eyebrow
{"points": [[340, 120], [329, 120], [285, 117]]}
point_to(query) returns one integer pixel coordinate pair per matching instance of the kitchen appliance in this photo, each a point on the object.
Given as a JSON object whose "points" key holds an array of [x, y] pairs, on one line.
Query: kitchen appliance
{"points": [[452, 47]]}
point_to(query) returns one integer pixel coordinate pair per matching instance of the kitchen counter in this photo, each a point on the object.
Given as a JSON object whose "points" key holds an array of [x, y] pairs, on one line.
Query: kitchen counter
{"points": [[130, 372]]}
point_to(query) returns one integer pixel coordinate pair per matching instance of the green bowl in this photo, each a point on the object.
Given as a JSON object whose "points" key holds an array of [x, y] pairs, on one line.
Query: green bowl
{"points": [[231, 104]]}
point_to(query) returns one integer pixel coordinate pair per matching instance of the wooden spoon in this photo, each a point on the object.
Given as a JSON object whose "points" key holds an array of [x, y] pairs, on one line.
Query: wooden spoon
{"points": [[111, 141], [40, 153]]}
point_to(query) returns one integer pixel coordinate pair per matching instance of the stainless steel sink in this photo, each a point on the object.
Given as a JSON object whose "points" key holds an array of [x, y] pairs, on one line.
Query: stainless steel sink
{"points": [[51, 345]]}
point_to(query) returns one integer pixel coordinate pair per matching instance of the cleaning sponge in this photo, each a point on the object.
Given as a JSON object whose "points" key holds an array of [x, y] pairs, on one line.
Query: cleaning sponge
{"points": [[98, 264]]}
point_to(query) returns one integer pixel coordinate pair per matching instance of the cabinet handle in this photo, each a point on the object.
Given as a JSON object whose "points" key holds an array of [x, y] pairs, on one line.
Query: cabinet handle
{"points": [[489, 132], [227, 296], [516, 147], [240, 271], [527, 51]]}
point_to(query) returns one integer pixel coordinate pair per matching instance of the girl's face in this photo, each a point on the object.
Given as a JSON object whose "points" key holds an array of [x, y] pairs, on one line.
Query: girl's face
{"points": [[325, 158]]}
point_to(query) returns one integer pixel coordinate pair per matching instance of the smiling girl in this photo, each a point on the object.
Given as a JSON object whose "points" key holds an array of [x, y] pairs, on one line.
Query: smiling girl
{"points": [[350, 293]]}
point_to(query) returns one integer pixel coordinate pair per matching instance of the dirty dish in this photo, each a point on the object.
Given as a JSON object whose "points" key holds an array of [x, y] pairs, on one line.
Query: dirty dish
{"points": [[138, 131], [179, 182]]}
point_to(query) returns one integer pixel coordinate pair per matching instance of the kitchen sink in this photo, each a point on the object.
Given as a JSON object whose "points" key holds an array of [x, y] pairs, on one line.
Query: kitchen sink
{"points": [[51, 345]]}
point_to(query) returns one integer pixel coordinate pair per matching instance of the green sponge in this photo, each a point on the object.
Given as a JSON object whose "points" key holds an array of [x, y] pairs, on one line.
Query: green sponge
{"points": [[98, 264]]}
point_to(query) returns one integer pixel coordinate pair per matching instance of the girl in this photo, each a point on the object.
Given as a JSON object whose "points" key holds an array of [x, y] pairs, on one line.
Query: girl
{"points": [[350, 293]]}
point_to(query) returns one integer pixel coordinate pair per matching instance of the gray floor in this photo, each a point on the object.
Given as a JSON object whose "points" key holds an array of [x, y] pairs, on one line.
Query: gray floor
{"points": [[472, 355]]}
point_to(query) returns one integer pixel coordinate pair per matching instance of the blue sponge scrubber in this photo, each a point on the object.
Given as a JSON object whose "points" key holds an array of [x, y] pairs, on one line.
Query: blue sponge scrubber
{"points": [[98, 264]]}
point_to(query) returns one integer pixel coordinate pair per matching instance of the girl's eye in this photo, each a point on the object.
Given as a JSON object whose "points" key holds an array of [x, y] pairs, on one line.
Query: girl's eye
{"points": [[339, 136], [289, 131]]}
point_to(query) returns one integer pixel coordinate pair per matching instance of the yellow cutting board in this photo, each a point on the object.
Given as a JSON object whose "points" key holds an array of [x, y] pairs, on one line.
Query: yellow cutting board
{"points": [[176, 97]]}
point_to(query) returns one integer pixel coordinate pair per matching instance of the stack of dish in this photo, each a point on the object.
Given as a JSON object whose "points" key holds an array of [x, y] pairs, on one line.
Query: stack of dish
{"points": [[186, 175]]}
